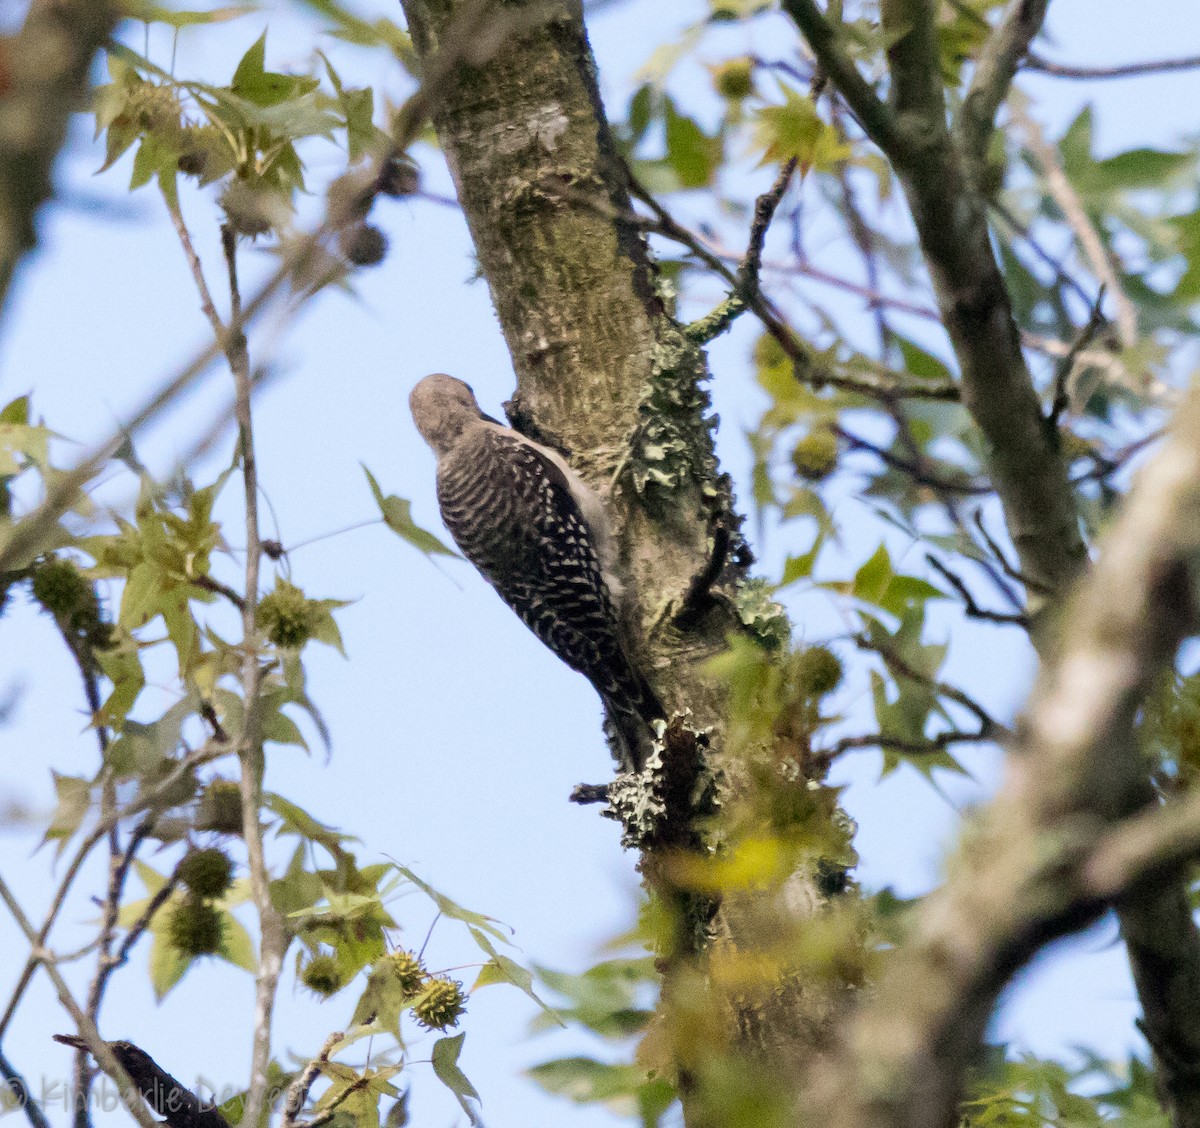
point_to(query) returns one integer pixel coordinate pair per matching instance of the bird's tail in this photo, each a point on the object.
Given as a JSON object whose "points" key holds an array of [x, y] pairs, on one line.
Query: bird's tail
{"points": [[632, 707]]}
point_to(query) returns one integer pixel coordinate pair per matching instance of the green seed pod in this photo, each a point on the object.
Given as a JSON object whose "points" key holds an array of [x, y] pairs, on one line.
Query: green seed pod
{"points": [[440, 1004], [220, 808], [285, 616], [195, 927], [734, 79], [817, 671], [207, 873], [61, 589], [408, 971], [815, 456], [322, 976]]}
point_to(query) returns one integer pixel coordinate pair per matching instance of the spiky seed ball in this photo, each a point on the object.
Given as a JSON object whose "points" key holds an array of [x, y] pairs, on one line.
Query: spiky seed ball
{"points": [[363, 244], [207, 873], [195, 927], [407, 970], [350, 197], [817, 671], [815, 456], [322, 976], [192, 162], [220, 808], [734, 79], [60, 588], [399, 177], [285, 616], [245, 209], [440, 1004]]}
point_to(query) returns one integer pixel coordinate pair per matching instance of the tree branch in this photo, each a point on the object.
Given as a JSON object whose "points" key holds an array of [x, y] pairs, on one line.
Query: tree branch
{"points": [[1123, 70], [995, 70], [273, 935], [46, 67], [951, 222], [868, 109], [1021, 877]]}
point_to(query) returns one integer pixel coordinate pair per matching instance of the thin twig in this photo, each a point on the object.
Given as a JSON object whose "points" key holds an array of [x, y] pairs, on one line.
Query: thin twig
{"points": [[139, 926], [185, 240], [718, 260], [147, 800], [119, 863], [1106, 466], [19, 1093], [273, 934], [1122, 70], [298, 1091], [1062, 376], [973, 610], [897, 666], [1001, 559], [209, 583], [940, 742], [920, 475], [746, 292], [1065, 196]]}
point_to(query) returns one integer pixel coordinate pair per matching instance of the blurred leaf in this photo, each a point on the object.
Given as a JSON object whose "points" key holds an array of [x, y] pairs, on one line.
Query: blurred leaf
{"points": [[445, 1066], [397, 515]]}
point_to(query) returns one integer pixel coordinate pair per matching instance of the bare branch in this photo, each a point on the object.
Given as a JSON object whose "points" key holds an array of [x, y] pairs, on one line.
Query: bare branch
{"points": [[995, 70], [297, 1092], [973, 609], [1064, 194], [1123, 70]]}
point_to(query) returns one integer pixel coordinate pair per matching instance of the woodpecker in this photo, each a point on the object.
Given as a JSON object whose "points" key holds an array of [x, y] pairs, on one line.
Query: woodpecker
{"points": [[540, 537]]}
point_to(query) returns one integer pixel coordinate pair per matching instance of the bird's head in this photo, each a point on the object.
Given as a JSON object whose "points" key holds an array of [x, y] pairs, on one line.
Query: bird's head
{"points": [[442, 407]]}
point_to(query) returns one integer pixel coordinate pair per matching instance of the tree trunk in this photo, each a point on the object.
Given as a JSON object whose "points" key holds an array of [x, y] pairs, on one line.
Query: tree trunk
{"points": [[608, 376]]}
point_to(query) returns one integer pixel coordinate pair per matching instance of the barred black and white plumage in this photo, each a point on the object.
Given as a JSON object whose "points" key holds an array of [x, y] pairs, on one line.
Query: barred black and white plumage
{"points": [[539, 537]]}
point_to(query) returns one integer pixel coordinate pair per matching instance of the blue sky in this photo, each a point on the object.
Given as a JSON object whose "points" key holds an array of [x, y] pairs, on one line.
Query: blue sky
{"points": [[457, 737]]}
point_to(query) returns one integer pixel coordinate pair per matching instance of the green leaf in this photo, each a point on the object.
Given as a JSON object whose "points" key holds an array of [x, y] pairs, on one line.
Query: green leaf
{"points": [[397, 515], [156, 13], [445, 1065], [453, 910], [628, 1090], [74, 802], [296, 820], [692, 154], [795, 130], [16, 411], [263, 87], [501, 969]]}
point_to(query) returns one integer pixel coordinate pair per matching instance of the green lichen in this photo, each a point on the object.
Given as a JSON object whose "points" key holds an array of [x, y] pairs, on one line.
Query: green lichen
{"points": [[674, 447], [765, 619], [649, 803]]}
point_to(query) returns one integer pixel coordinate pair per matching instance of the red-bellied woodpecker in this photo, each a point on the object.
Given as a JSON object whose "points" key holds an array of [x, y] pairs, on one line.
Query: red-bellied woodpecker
{"points": [[540, 537]]}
